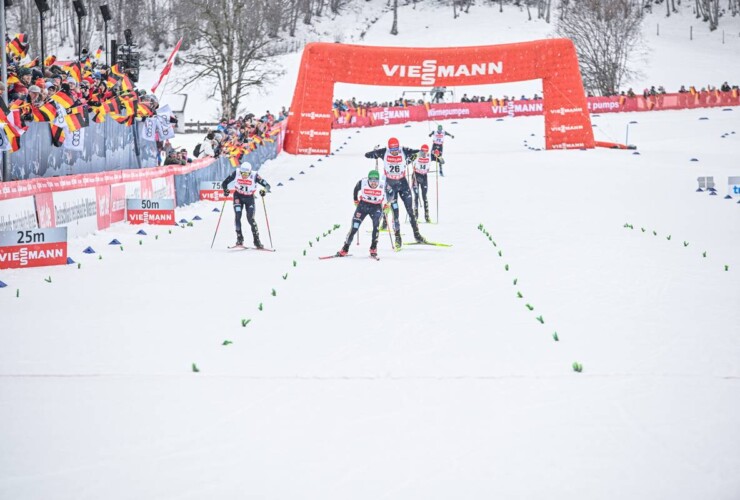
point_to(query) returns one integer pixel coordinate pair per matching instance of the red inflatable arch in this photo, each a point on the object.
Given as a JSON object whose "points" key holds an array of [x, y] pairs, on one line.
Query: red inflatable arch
{"points": [[567, 122]]}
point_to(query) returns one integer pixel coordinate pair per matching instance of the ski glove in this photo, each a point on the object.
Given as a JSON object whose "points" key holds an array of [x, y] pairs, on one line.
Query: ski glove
{"points": [[226, 193], [263, 192], [357, 202]]}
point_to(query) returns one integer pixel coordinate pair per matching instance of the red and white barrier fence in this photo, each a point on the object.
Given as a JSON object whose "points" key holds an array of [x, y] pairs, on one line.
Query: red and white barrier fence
{"points": [[372, 117]]}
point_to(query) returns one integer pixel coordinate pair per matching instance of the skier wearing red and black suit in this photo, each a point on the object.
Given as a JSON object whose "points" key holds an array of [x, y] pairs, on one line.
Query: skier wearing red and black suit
{"points": [[394, 165]]}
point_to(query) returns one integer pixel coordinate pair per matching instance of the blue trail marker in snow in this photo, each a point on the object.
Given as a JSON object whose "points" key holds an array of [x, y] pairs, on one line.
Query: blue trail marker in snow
{"points": [[114, 242], [70, 261], [197, 217], [215, 210], [2, 285], [142, 232], [88, 250]]}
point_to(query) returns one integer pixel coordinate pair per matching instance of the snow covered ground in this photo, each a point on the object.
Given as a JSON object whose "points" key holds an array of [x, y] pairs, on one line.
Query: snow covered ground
{"points": [[422, 376]]}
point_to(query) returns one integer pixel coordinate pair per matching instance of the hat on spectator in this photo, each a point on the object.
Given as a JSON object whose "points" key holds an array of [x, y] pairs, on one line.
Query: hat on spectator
{"points": [[24, 72], [48, 84], [34, 88], [72, 81]]}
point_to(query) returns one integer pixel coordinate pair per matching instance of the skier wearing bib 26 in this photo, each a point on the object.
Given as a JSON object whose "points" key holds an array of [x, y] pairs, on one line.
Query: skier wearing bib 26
{"points": [[421, 169], [244, 189], [394, 165], [368, 197], [438, 144]]}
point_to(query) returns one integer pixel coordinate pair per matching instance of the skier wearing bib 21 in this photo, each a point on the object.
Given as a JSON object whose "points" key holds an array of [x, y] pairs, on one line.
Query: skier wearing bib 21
{"points": [[421, 169], [244, 189], [438, 144], [394, 164], [368, 196]]}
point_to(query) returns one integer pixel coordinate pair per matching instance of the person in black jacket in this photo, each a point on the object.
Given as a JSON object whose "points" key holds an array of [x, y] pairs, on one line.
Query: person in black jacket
{"points": [[369, 197], [244, 189], [394, 165]]}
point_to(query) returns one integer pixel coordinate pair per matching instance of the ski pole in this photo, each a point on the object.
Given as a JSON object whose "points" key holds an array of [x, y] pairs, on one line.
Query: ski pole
{"points": [[267, 221], [390, 236], [219, 223], [436, 178]]}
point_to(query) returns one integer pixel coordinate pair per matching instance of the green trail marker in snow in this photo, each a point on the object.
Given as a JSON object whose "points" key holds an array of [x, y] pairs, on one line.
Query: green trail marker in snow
{"points": [[245, 322], [577, 367]]}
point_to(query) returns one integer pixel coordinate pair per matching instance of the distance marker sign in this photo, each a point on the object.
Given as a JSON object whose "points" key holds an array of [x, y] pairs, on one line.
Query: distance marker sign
{"points": [[33, 248], [212, 191], [154, 212]]}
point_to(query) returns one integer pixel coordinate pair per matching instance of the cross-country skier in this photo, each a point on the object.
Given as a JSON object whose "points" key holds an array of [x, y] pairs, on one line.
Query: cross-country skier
{"points": [[244, 189], [394, 165], [438, 144], [368, 196], [421, 169]]}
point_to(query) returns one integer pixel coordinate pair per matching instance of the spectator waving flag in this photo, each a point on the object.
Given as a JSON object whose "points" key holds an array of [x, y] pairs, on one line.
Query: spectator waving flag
{"points": [[99, 52], [18, 45], [167, 66]]}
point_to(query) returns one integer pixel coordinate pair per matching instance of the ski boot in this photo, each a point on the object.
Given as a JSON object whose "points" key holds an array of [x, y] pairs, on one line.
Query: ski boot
{"points": [[398, 240], [373, 252], [417, 235], [344, 251], [258, 244], [239, 239]]}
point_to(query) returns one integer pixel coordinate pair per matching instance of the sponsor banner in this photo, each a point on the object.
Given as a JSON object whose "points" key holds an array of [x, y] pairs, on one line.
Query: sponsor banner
{"points": [[102, 194], [117, 203], [30, 187], [212, 191], [733, 186], [170, 181], [146, 211], [33, 248], [146, 189], [133, 190], [19, 213], [160, 189], [45, 210], [77, 210]]}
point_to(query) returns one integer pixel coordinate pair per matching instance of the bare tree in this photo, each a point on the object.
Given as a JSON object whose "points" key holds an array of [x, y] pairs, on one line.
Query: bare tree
{"points": [[708, 10], [231, 53], [605, 33], [394, 28]]}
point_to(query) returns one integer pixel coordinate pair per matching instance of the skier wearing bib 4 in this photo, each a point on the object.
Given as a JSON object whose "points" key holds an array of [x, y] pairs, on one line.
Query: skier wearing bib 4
{"points": [[438, 144], [244, 189], [368, 196], [396, 184], [421, 169]]}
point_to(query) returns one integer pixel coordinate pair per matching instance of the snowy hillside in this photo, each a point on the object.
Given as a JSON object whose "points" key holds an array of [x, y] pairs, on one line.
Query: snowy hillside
{"points": [[669, 59]]}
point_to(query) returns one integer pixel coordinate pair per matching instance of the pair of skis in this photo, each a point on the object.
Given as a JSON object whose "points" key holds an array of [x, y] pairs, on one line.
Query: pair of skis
{"points": [[338, 255], [242, 247]]}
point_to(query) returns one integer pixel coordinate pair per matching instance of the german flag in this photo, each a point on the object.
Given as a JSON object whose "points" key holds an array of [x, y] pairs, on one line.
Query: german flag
{"points": [[75, 72], [12, 80], [126, 84], [32, 64], [49, 61], [44, 113], [64, 100], [18, 45], [145, 111], [99, 52], [234, 160], [13, 134], [112, 105], [112, 80], [77, 118], [98, 114], [57, 135]]}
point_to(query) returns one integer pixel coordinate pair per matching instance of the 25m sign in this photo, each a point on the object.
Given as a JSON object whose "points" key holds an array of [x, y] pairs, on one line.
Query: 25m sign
{"points": [[33, 248]]}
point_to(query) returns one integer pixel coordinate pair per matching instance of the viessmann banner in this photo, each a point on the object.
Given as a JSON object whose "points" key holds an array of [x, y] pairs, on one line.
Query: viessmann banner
{"points": [[33, 248]]}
